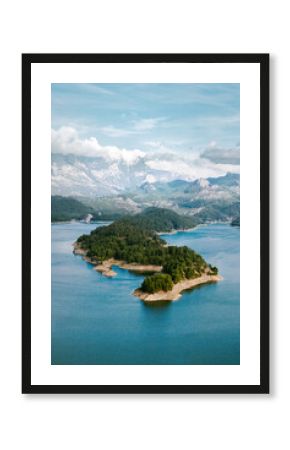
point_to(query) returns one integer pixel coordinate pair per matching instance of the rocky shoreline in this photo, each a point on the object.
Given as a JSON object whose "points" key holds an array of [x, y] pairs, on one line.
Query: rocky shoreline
{"points": [[178, 288], [105, 267]]}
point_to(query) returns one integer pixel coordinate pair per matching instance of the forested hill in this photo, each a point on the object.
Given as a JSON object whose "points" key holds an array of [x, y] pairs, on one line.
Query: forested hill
{"points": [[161, 219], [134, 232], [68, 208], [236, 222], [157, 219]]}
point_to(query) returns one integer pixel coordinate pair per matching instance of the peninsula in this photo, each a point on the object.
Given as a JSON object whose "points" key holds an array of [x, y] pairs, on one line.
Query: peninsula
{"points": [[133, 243]]}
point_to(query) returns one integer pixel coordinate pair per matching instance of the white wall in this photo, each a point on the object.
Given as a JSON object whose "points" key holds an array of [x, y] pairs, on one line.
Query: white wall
{"points": [[105, 422]]}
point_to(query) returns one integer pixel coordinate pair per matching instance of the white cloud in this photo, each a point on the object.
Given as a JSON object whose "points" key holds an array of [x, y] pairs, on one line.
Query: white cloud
{"points": [[109, 168], [158, 146], [233, 168], [135, 127], [66, 141], [147, 124], [222, 155], [112, 131], [95, 89], [212, 144], [150, 179], [177, 168]]}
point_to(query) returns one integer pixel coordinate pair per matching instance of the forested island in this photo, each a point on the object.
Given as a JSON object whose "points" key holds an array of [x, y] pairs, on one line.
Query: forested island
{"points": [[133, 243]]}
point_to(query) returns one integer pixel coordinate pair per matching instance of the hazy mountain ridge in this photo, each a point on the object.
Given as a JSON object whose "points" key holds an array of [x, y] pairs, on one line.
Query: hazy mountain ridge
{"points": [[108, 188], [91, 177], [68, 208], [207, 200], [104, 176]]}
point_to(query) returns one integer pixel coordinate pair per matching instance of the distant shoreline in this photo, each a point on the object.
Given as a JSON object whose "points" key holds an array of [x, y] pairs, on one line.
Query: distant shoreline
{"points": [[160, 233], [214, 222], [66, 222]]}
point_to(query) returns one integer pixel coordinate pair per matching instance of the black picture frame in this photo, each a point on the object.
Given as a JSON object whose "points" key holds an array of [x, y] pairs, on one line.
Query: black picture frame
{"points": [[263, 61]]}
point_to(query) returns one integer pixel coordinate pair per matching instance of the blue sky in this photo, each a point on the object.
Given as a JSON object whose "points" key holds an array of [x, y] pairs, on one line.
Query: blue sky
{"points": [[179, 117]]}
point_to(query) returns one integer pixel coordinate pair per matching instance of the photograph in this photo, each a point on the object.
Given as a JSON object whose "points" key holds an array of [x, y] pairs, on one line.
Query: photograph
{"points": [[145, 223]]}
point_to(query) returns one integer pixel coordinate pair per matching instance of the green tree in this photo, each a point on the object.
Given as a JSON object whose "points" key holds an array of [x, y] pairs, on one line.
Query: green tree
{"points": [[157, 282]]}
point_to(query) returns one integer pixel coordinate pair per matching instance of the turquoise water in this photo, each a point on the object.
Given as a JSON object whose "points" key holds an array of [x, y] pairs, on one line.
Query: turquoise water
{"points": [[96, 320]]}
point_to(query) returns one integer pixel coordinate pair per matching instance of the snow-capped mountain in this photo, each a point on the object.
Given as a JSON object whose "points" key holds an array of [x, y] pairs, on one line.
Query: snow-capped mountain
{"points": [[84, 176], [111, 188], [77, 175]]}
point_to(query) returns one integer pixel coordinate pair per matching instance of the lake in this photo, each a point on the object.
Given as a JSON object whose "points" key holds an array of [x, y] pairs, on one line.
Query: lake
{"points": [[97, 320]]}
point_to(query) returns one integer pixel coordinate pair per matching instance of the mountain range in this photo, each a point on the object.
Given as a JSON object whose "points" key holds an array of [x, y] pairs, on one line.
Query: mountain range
{"points": [[205, 199], [114, 174]]}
